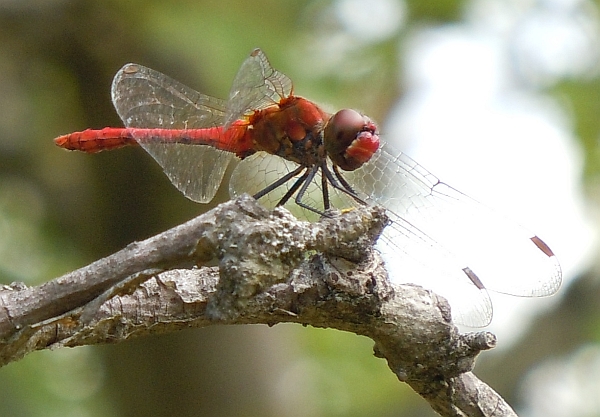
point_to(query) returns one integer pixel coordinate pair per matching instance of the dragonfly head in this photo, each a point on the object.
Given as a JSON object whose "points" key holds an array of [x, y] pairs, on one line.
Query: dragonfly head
{"points": [[350, 139]]}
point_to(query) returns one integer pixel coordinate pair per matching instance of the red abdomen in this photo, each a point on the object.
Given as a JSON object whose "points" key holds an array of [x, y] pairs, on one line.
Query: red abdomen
{"points": [[92, 141], [234, 139]]}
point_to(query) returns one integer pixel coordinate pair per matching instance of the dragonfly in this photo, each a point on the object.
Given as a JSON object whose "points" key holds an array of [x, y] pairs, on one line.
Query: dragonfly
{"points": [[293, 153]]}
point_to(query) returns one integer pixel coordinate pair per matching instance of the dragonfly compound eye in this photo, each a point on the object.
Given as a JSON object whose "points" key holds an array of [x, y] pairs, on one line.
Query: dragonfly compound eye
{"points": [[350, 139]]}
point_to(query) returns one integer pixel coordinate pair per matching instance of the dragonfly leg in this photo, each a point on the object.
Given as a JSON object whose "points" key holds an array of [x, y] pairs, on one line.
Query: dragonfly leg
{"points": [[278, 183], [325, 188], [339, 183], [310, 175], [294, 188], [302, 183]]}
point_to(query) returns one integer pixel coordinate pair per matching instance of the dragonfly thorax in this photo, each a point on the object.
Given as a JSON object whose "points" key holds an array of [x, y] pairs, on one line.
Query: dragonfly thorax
{"points": [[292, 129]]}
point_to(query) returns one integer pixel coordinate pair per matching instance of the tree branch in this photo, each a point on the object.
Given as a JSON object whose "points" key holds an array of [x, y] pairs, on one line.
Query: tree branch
{"points": [[271, 269]]}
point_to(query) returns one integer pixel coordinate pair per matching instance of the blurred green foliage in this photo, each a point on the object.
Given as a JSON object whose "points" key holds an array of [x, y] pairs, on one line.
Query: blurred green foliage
{"points": [[59, 211]]}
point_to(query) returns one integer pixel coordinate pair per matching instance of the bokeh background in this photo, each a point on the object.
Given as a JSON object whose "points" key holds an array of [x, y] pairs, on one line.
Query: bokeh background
{"points": [[500, 98]]}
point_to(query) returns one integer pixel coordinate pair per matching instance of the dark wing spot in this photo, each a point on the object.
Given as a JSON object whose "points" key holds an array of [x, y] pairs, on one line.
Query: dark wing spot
{"points": [[542, 246], [474, 278]]}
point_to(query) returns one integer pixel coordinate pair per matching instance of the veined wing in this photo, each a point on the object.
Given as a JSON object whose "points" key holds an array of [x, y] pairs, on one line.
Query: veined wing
{"points": [[506, 257], [256, 86], [439, 238], [145, 98]]}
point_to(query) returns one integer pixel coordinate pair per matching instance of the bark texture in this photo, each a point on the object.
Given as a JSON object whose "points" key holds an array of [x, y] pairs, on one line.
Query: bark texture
{"points": [[271, 268]]}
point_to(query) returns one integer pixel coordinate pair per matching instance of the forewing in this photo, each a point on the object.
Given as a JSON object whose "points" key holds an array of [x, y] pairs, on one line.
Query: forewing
{"points": [[145, 98], [506, 257], [256, 86], [411, 256]]}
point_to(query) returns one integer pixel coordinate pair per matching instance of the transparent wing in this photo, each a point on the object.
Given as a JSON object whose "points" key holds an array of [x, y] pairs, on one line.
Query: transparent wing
{"points": [[506, 257], [410, 254], [145, 98], [256, 86]]}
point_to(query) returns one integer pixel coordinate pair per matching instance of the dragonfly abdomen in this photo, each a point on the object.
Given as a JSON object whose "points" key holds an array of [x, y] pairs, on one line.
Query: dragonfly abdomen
{"points": [[96, 140], [92, 141]]}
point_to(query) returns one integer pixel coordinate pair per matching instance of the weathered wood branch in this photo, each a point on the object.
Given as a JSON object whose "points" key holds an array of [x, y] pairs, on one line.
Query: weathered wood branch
{"points": [[271, 269]]}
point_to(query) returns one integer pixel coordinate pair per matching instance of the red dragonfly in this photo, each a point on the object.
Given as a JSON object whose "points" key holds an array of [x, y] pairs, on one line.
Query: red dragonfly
{"points": [[292, 151]]}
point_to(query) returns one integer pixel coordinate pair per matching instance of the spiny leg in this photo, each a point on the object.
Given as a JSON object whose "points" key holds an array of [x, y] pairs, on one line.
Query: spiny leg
{"points": [[325, 187], [294, 187], [279, 182], [342, 185], [309, 178]]}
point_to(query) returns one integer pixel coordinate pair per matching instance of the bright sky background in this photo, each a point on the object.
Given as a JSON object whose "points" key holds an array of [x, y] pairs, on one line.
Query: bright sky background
{"points": [[472, 113], [476, 128]]}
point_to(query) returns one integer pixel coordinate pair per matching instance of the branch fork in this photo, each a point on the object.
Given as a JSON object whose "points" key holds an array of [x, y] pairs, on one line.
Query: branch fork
{"points": [[272, 268]]}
